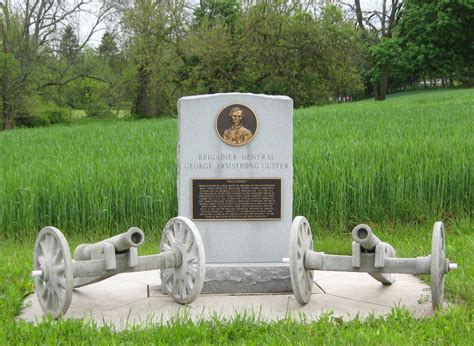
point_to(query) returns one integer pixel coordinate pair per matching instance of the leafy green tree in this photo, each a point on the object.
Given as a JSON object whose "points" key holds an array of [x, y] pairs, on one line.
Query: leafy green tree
{"points": [[155, 53], [29, 32], [377, 26], [437, 38], [11, 66], [112, 63], [275, 49], [214, 12]]}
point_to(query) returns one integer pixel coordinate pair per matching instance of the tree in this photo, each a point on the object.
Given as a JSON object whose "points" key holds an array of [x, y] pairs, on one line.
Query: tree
{"points": [[108, 46], [28, 31], [155, 52], [274, 48], [9, 32], [69, 44], [377, 27], [437, 38], [112, 63], [212, 12]]}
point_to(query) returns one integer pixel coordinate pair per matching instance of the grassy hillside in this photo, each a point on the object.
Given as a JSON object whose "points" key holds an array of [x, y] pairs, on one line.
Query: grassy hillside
{"points": [[409, 159]]}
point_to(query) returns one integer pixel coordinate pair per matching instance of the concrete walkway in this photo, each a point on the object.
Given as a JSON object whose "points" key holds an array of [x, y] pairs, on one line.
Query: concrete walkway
{"points": [[135, 298]]}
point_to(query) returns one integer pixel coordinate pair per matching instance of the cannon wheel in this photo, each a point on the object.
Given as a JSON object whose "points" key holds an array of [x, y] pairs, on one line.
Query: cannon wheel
{"points": [[54, 287], [438, 263], [183, 283], [301, 240]]}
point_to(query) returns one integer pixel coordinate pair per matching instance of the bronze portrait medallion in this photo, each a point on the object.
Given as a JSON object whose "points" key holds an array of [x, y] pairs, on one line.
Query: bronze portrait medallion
{"points": [[236, 124]]}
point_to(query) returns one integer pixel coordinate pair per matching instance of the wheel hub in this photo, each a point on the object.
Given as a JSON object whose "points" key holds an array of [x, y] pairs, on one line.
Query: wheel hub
{"points": [[46, 269]]}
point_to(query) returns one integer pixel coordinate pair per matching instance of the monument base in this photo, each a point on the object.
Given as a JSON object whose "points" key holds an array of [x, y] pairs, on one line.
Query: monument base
{"points": [[247, 278]]}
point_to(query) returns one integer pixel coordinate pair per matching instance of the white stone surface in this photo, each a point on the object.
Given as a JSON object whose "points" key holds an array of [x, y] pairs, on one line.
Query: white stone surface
{"points": [[238, 241], [134, 298]]}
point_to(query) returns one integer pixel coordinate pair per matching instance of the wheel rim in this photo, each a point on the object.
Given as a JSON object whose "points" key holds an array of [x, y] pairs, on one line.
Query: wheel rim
{"points": [[52, 256], [438, 260], [301, 240], [183, 283]]}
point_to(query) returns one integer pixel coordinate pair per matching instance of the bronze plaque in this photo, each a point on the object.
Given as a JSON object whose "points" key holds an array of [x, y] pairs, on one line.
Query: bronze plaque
{"points": [[236, 199], [236, 124]]}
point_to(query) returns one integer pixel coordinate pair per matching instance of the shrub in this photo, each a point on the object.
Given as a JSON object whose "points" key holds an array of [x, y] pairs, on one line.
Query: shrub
{"points": [[54, 113], [31, 120], [36, 112], [98, 109]]}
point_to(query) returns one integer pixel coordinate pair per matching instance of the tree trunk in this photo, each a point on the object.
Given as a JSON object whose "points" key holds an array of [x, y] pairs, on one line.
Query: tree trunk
{"points": [[6, 102], [141, 106], [358, 10], [7, 116], [381, 87]]}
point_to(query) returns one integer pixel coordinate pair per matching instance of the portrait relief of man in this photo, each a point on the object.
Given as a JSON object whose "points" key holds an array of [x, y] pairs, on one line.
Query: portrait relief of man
{"points": [[231, 125]]}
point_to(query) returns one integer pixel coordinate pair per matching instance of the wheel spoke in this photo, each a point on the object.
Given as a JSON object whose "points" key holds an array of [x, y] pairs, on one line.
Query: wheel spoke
{"points": [[58, 255], [41, 259], [49, 299], [43, 291], [190, 246], [167, 275], [174, 291], [44, 250], [59, 268], [192, 270], [185, 232], [62, 283], [55, 296], [178, 232], [50, 245], [171, 237], [182, 289], [165, 247], [189, 284]]}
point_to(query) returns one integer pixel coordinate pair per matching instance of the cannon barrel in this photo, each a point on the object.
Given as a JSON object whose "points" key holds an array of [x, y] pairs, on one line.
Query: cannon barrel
{"points": [[363, 235], [134, 237]]}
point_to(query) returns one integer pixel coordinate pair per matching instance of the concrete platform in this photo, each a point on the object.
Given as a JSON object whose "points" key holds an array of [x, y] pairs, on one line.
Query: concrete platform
{"points": [[135, 298]]}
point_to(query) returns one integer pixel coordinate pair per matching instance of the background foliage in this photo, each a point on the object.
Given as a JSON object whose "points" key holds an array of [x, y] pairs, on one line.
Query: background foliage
{"points": [[153, 52]]}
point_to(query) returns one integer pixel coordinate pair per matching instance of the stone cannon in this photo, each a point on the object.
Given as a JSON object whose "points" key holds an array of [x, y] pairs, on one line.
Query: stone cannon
{"points": [[134, 237], [364, 240], [181, 263], [369, 255]]}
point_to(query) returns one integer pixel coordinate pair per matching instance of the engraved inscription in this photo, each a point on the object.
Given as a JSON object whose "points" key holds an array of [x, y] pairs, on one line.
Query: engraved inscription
{"points": [[236, 199]]}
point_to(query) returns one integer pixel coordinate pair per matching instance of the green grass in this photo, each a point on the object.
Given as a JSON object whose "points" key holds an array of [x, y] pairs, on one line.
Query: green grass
{"points": [[409, 160]]}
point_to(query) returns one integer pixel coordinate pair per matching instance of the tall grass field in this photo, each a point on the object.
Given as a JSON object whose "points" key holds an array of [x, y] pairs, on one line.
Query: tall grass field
{"points": [[409, 159]]}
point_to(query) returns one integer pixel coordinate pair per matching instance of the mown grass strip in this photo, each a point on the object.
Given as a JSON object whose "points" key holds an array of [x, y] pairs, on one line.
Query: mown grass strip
{"points": [[400, 327]]}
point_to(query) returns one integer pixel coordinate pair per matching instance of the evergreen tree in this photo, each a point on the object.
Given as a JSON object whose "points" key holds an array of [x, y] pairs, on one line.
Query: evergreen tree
{"points": [[69, 44], [108, 46]]}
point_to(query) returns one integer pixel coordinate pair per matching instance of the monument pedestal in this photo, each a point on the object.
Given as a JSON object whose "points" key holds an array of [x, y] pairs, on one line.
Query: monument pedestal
{"points": [[235, 181], [247, 278]]}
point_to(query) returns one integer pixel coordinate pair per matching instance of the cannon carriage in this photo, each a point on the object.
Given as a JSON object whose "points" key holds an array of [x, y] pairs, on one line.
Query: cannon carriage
{"points": [[181, 262], [369, 255]]}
